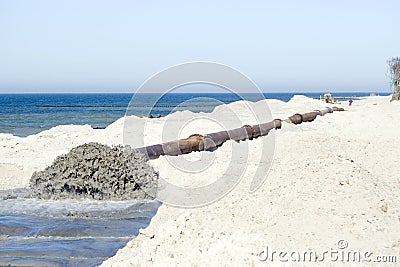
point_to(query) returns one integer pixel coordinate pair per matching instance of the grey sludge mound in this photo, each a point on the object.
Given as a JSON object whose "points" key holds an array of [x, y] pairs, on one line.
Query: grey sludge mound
{"points": [[97, 171]]}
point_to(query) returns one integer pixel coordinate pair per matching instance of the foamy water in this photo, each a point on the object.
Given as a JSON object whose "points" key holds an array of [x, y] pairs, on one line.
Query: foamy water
{"points": [[68, 232]]}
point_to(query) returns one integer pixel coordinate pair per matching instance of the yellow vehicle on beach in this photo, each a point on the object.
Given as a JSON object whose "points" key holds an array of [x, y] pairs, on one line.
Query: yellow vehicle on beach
{"points": [[328, 98]]}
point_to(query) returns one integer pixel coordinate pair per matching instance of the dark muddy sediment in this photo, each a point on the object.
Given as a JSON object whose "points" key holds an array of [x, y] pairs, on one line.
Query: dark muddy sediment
{"points": [[97, 171], [69, 217]]}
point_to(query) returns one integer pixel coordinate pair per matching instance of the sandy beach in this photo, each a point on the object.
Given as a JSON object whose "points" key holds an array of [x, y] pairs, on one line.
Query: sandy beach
{"points": [[336, 178]]}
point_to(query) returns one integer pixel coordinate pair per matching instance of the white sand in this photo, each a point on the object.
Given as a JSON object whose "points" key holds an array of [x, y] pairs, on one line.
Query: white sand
{"points": [[335, 178]]}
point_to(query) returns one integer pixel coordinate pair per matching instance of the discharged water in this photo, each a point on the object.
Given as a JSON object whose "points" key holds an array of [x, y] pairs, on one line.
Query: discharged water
{"points": [[68, 232]]}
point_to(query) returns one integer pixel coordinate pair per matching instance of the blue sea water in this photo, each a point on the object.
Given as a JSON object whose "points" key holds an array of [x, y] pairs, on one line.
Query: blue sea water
{"points": [[26, 114]]}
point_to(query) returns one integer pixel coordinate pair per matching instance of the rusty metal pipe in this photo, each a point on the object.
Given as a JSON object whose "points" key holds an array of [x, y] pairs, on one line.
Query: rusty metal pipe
{"points": [[212, 141], [326, 111], [310, 116]]}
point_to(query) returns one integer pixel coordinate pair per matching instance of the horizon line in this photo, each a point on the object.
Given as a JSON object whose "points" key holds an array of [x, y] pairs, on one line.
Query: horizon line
{"points": [[271, 92]]}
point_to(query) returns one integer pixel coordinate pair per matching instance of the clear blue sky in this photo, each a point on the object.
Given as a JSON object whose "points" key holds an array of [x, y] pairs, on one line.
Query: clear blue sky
{"points": [[113, 46]]}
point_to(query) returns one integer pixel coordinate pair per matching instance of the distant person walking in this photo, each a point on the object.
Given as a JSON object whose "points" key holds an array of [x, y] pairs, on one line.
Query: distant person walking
{"points": [[350, 102]]}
